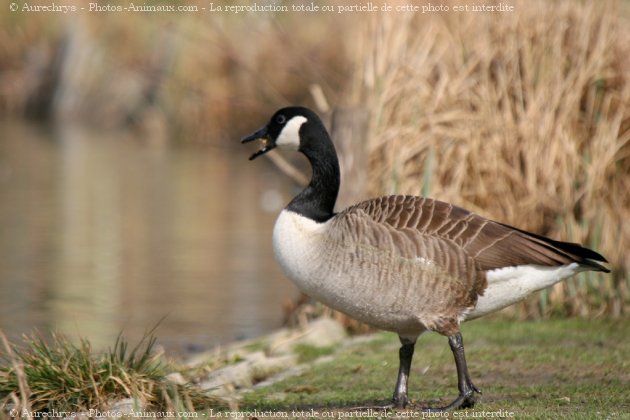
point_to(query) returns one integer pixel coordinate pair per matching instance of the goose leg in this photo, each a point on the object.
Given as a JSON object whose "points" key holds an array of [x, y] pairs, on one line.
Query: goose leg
{"points": [[467, 390], [405, 355]]}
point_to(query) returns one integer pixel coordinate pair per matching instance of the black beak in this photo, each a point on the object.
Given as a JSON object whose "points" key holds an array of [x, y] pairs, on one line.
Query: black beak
{"points": [[262, 135]]}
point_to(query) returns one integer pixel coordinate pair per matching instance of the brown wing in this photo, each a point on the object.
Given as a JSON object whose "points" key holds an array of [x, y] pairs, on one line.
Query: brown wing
{"points": [[490, 244]]}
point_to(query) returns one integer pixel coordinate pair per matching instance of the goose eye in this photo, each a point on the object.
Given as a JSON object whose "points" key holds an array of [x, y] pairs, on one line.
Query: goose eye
{"points": [[281, 119]]}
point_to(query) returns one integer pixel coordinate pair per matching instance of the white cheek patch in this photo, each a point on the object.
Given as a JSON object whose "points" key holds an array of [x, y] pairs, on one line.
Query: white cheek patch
{"points": [[289, 138]]}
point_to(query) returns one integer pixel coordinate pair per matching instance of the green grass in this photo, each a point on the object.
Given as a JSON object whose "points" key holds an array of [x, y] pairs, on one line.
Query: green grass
{"points": [[547, 369], [307, 353]]}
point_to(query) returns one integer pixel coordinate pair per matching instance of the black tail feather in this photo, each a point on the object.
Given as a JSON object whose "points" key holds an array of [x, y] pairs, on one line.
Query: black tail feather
{"points": [[584, 256]]}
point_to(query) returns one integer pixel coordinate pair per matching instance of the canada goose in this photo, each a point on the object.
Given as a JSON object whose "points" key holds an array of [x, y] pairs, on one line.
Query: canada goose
{"points": [[402, 263]]}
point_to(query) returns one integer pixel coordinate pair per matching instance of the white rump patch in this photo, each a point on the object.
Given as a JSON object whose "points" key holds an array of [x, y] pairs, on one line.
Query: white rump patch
{"points": [[289, 138], [509, 285]]}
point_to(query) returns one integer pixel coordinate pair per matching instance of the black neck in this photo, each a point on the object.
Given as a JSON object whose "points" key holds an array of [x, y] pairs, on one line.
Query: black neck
{"points": [[317, 201]]}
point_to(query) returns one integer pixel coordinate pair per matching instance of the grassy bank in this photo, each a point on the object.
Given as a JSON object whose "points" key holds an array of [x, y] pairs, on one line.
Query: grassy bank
{"points": [[535, 369], [548, 369]]}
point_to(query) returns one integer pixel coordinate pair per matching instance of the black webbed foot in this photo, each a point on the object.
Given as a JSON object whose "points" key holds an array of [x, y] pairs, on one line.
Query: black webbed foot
{"points": [[466, 399]]}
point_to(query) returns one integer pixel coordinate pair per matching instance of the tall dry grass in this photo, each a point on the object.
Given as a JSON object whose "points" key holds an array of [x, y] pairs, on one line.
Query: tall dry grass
{"points": [[522, 117]]}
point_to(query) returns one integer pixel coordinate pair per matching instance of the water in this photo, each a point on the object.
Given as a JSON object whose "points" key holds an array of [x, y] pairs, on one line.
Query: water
{"points": [[100, 232]]}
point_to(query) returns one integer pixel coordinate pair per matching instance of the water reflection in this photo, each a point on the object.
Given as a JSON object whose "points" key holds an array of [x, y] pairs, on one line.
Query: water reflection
{"points": [[99, 232]]}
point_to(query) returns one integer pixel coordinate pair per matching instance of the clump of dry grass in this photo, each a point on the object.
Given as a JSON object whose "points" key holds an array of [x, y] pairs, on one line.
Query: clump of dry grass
{"points": [[57, 374], [523, 117]]}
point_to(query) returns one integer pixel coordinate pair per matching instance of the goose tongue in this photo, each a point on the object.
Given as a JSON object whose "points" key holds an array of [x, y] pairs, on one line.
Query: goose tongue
{"points": [[263, 136]]}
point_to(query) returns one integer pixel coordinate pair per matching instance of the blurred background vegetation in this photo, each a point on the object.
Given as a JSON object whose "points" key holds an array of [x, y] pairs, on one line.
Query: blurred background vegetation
{"points": [[523, 117]]}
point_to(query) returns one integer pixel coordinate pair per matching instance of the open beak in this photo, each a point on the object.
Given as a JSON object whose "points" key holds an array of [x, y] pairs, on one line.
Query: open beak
{"points": [[263, 136]]}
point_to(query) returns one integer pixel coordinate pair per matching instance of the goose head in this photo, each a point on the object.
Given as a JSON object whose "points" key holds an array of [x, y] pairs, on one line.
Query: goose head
{"points": [[292, 128], [300, 129]]}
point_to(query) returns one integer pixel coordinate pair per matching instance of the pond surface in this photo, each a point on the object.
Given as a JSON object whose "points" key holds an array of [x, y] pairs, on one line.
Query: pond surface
{"points": [[102, 233]]}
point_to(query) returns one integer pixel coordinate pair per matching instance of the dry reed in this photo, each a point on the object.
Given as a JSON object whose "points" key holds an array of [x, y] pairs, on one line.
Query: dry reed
{"points": [[524, 118]]}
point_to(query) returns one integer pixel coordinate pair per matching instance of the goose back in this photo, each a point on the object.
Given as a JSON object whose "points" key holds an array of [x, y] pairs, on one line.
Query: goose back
{"points": [[491, 244]]}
